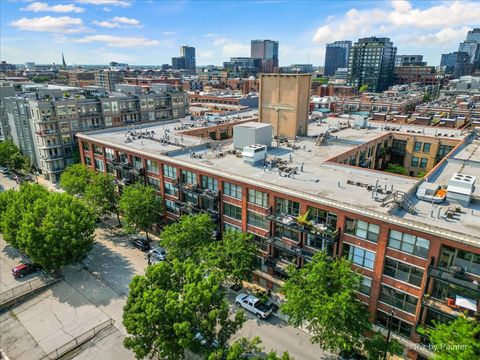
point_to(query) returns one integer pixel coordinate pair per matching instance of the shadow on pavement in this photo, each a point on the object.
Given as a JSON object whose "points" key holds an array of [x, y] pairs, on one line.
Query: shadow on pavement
{"points": [[111, 268]]}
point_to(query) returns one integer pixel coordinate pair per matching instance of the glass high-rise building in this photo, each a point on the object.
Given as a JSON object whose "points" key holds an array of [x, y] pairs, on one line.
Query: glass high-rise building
{"points": [[371, 62], [188, 52], [456, 63], [267, 50], [336, 56]]}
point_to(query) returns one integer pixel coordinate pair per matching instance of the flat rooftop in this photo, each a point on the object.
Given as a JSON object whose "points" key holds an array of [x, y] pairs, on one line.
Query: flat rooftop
{"points": [[316, 179]]}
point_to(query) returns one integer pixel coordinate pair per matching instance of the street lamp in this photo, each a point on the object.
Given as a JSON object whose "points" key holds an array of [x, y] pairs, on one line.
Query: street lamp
{"points": [[389, 327]]}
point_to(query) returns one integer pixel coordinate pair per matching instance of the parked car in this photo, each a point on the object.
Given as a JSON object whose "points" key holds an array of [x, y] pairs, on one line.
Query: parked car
{"points": [[201, 339], [4, 171], [141, 244], [158, 254], [254, 305], [24, 269]]}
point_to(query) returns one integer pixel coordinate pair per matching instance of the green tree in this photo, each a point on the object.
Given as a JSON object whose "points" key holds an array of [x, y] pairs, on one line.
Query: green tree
{"points": [[457, 340], [75, 179], [244, 348], [321, 296], [376, 345], [188, 236], [363, 88], [6, 198], [234, 255], [176, 307], [18, 205], [11, 156], [140, 207], [101, 194], [427, 97], [7, 150], [57, 231]]}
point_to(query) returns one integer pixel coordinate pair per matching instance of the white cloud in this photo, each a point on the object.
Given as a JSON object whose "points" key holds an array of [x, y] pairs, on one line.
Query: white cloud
{"points": [[63, 24], [444, 37], [398, 15], [211, 35], [60, 8], [119, 3], [118, 41], [118, 22], [206, 55], [169, 33], [231, 48], [107, 9]]}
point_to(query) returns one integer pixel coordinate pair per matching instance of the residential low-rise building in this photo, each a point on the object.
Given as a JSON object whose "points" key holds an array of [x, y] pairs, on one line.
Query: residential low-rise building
{"points": [[418, 259]]}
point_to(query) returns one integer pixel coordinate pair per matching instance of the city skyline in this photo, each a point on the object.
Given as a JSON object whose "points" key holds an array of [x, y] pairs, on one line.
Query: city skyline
{"points": [[97, 32]]}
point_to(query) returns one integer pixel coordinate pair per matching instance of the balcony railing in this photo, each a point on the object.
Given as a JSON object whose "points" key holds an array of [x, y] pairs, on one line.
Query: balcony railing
{"points": [[189, 208], [320, 230], [459, 279], [196, 189]]}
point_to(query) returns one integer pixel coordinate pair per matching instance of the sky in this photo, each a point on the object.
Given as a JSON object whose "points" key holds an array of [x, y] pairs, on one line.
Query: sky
{"points": [[148, 32]]}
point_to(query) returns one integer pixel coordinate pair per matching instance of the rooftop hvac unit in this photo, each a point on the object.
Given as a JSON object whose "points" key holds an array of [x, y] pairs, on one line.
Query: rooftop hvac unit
{"points": [[254, 154], [460, 188]]}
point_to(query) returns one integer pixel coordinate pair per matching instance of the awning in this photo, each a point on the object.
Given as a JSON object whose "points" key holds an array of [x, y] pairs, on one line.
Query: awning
{"points": [[466, 303]]}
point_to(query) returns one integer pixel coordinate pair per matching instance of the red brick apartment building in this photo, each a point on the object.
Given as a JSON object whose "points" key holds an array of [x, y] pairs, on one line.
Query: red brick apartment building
{"points": [[418, 259]]}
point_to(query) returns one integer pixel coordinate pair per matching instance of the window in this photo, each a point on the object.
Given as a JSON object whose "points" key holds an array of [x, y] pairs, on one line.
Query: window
{"points": [[398, 326], [426, 147], [190, 198], [418, 146], [232, 211], [260, 241], [414, 162], [286, 232], [409, 243], [109, 153], [99, 165], [227, 226], [152, 166], [86, 146], [469, 261], [359, 256], [153, 182], [258, 198], [189, 177], [362, 229], [423, 163], [88, 160], [137, 162], [209, 183], [170, 189], [285, 206], [171, 207], [398, 299], [365, 285], [169, 171], [257, 220], [232, 190], [323, 217], [403, 272]]}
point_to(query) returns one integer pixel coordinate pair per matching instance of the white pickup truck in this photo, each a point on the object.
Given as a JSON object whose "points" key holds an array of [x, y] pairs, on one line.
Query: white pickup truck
{"points": [[254, 305]]}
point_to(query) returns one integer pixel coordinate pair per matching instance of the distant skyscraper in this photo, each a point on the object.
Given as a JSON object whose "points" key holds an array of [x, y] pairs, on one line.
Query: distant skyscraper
{"points": [[188, 52], [456, 63], [474, 35], [336, 56], [371, 62], [267, 50], [178, 63]]}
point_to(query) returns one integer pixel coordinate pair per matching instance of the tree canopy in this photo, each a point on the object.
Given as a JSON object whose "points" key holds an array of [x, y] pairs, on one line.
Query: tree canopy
{"points": [[101, 194], [140, 207], [11, 156], [457, 340], [53, 229], [188, 236], [376, 345], [363, 88], [234, 255], [177, 307], [322, 297], [57, 231], [75, 179]]}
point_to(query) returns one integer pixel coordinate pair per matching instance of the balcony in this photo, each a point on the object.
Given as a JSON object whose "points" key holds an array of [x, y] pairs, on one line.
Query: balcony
{"points": [[197, 190], [52, 157], [449, 310], [456, 278], [51, 145], [308, 227], [189, 208]]}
